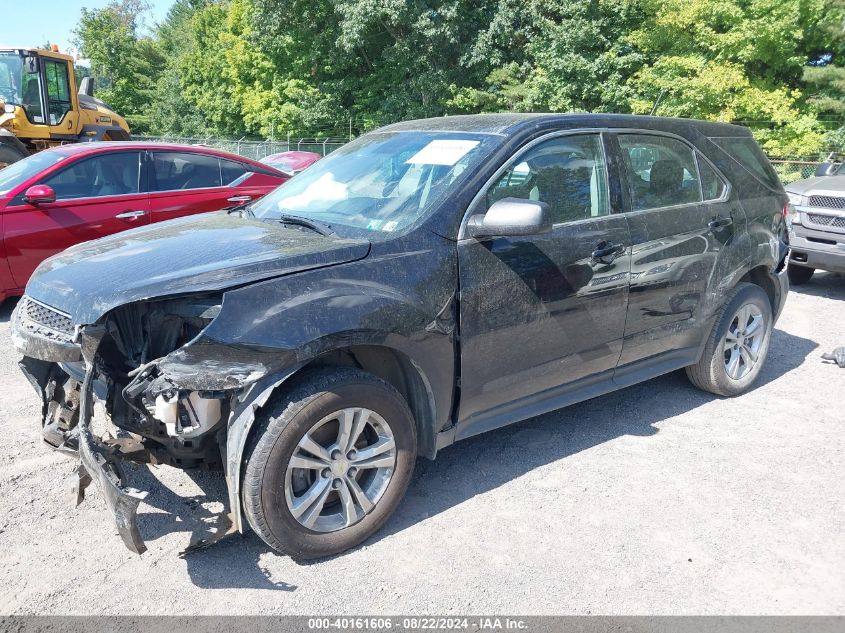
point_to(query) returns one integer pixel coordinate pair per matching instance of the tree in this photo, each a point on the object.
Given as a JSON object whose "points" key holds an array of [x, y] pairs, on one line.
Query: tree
{"points": [[126, 65], [731, 61], [559, 56]]}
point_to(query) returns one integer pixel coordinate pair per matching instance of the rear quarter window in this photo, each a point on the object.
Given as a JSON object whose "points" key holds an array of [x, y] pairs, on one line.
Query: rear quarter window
{"points": [[233, 173], [745, 151]]}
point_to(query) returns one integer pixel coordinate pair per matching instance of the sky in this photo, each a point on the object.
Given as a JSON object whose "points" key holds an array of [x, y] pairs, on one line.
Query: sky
{"points": [[27, 23]]}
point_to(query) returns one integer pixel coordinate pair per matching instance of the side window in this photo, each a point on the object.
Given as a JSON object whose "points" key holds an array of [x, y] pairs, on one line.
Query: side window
{"points": [[567, 173], [31, 93], [712, 186], [173, 171], [112, 174], [233, 173], [58, 91], [660, 171], [747, 153]]}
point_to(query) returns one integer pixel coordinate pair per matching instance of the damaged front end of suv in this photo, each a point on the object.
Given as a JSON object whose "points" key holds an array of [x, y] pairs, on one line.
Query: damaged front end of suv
{"points": [[133, 362], [178, 391]]}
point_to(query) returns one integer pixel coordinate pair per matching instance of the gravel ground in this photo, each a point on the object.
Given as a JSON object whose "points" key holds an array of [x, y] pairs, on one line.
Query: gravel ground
{"points": [[655, 499]]}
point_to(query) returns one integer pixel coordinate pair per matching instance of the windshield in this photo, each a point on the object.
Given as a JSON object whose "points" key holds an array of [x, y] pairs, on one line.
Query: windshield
{"points": [[13, 80], [10, 77], [21, 171], [381, 182]]}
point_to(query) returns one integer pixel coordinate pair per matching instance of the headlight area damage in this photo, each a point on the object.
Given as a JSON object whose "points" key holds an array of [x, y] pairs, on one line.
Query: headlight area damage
{"points": [[168, 390]]}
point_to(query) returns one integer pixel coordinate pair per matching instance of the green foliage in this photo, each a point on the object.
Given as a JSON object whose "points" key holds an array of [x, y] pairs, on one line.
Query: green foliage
{"points": [[308, 67], [126, 64], [571, 56], [732, 61]]}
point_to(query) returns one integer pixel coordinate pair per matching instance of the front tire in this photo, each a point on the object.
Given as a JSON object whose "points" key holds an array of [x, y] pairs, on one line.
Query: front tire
{"points": [[799, 275], [738, 344], [328, 463]]}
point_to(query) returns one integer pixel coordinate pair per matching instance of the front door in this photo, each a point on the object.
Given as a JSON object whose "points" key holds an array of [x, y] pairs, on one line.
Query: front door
{"points": [[95, 197], [539, 313]]}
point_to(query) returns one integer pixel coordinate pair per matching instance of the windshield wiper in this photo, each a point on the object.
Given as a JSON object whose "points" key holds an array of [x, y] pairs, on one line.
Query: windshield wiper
{"points": [[245, 209], [319, 227]]}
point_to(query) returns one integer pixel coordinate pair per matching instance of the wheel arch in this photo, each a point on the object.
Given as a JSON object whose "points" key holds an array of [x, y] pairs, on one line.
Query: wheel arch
{"points": [[762, 277], [398, 370], [390, 364]]}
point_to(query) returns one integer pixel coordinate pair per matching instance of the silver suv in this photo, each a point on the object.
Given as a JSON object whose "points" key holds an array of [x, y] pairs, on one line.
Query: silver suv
{"points": [[817, 223]]}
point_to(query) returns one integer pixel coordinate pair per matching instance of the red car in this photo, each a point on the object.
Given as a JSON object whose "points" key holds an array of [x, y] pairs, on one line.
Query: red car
{"points": [[291, 162], [74, 193]]}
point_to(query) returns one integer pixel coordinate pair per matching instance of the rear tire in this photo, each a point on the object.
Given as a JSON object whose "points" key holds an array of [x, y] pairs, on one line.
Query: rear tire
{"points": [[799, 275], [738, 344], [305, 474]]}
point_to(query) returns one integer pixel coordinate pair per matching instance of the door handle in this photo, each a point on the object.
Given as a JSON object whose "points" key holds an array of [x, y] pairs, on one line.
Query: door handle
{"points": [[128, 215], [719, 223], [606, 252], [239, 199]]}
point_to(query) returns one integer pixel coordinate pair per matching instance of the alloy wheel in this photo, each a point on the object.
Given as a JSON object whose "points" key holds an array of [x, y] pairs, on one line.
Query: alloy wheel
{"points": [[340, 469], [743, 341]]}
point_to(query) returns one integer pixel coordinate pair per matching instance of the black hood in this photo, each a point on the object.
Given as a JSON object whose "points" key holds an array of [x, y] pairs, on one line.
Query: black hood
{"points": [[208, 252]]}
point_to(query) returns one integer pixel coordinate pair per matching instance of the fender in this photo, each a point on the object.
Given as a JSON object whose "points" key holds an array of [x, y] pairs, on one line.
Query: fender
{"points": [[97, 132], [266, 332], [238, 428]]}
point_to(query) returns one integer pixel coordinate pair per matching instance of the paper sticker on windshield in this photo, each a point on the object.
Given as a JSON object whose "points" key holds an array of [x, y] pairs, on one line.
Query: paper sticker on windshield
{"points": [[442, 152]]}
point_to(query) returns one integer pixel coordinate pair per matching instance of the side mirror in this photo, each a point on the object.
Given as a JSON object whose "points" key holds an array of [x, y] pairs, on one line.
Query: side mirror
{"points": [[827, 169], [511, 217], [86, 86], [40, 194], [31, 64]]}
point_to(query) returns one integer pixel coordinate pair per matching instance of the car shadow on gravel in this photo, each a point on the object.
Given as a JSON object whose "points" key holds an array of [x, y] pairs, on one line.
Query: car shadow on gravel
{"points": [[232, 562], [469, 468], [822, 284], [483, 463]]}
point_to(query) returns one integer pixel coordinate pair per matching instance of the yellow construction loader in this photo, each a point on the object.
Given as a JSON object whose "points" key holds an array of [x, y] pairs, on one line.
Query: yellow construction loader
{"points": [[40, 107]]}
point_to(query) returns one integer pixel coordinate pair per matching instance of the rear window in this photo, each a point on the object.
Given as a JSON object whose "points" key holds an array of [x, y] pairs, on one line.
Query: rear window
{"points": [[747, 153], [661, 171], [175, 171], [233, 173]]}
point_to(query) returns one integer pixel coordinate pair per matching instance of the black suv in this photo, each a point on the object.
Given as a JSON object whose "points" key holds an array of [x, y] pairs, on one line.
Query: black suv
{"points": [[427, 282]]}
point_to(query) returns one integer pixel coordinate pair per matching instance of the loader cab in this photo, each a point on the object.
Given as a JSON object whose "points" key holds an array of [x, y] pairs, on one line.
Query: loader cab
{"points": [[36, 87], [40, 106]]}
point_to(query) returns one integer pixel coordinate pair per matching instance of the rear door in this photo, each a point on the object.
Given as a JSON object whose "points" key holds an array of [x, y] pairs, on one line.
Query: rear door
{"points": [[542, 312], [95, 196], [184, 183], [680, 220]]}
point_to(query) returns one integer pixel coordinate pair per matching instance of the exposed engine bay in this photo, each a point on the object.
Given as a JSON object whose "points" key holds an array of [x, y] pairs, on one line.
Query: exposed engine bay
{"points": [[156, 420], [175, 426]]}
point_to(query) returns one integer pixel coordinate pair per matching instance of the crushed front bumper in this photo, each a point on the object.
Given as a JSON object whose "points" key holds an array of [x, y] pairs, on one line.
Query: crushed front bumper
{"points": [[97, 463]]}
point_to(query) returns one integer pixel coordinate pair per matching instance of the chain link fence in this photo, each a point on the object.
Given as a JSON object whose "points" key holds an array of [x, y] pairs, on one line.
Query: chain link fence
{"points": [[789, 169], [253, 149]]}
